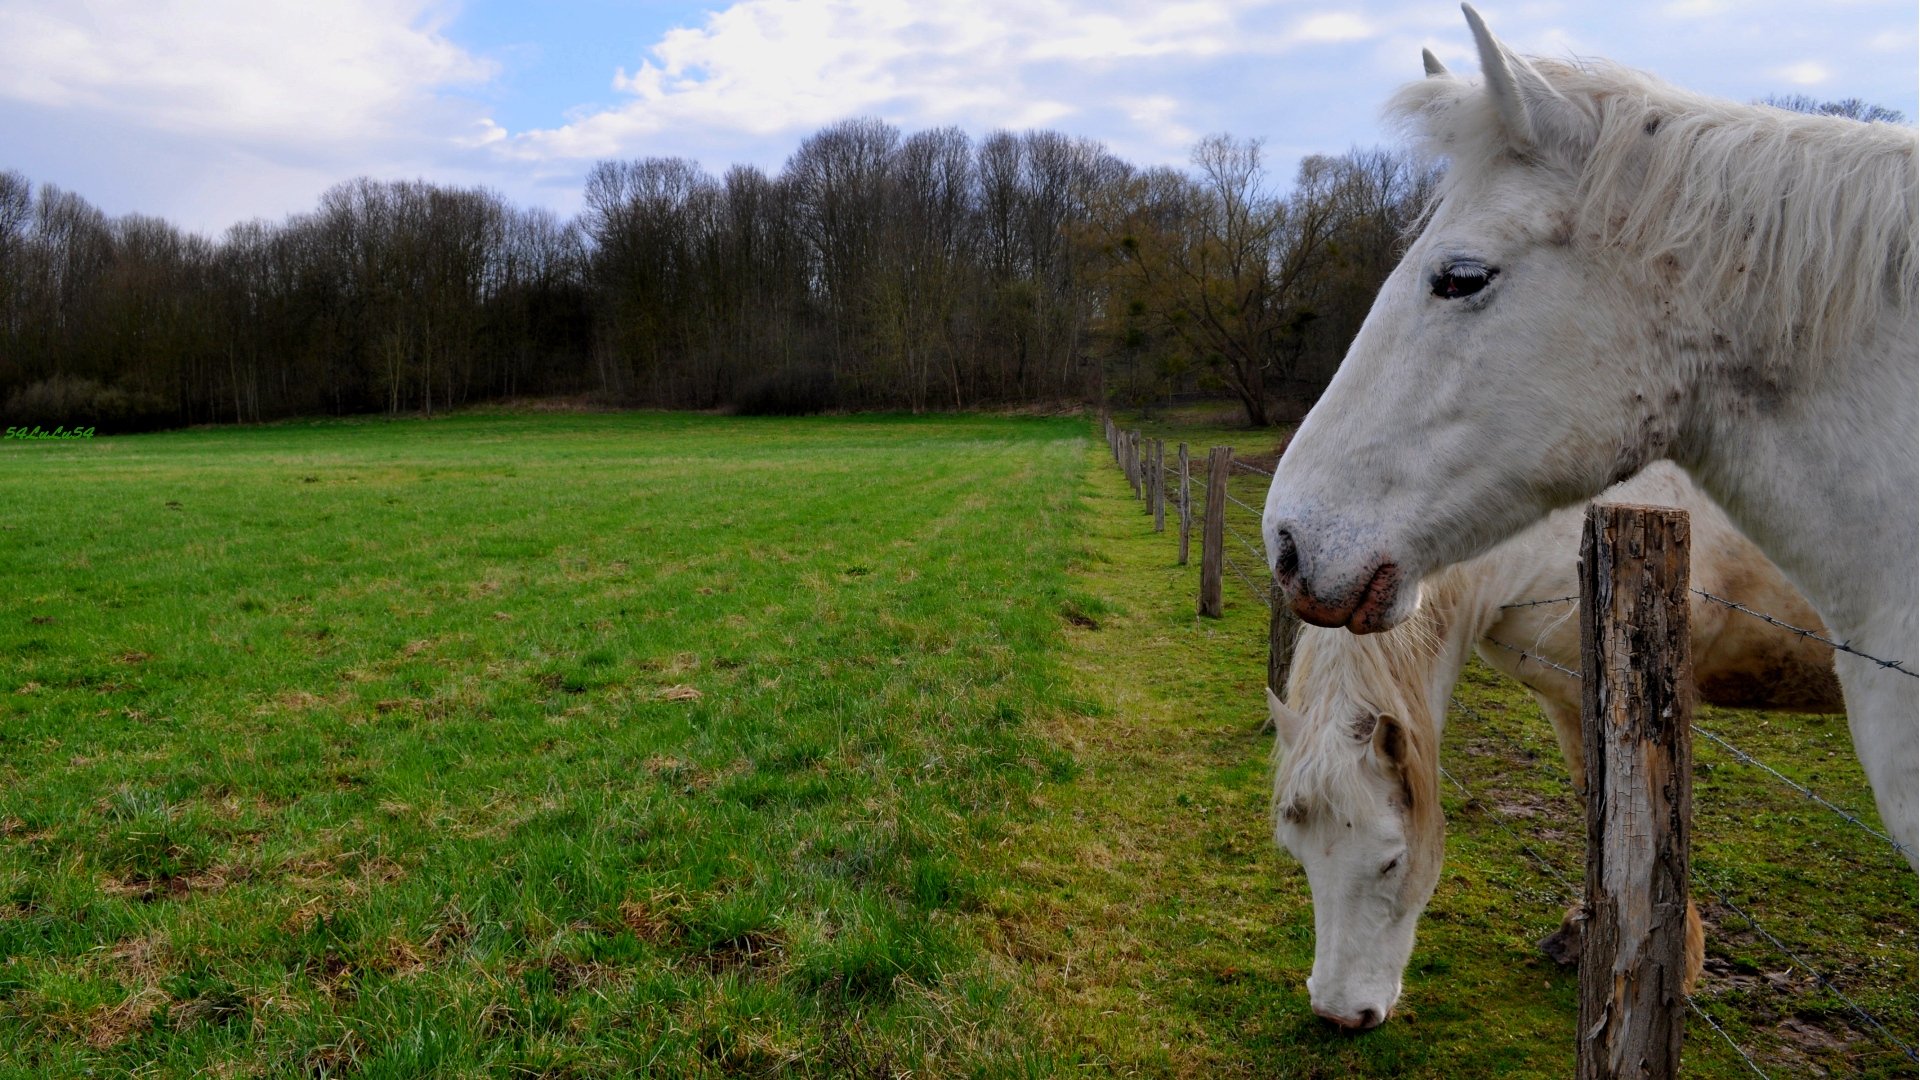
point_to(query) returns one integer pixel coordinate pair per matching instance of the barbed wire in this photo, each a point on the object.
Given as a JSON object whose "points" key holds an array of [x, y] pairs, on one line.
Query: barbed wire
{"points": [[1259, 556], [1258, 593], [1712, 1023], [1748, 759], [1243, 506], [1739, 755], [1537, 603], [1535, 657], [1567, 888], [1701, 877], [1840, 646], [1255, 469]]}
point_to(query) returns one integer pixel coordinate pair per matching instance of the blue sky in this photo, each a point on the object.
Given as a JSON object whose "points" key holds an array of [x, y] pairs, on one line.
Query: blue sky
{"points": [[209, 112]]}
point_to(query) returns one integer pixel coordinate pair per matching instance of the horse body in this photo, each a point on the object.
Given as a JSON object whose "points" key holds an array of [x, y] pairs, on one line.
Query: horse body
{"points": [[1617, 272], [1357, 794]]}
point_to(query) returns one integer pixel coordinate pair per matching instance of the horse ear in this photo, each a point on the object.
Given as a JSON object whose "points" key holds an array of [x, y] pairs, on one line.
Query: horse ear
{"points": [[1435, 69], [1535, 115], [1287, 723], [1390, 740]]}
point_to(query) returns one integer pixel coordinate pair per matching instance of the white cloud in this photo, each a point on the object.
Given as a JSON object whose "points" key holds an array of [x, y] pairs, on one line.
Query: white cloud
{"points": [[1698, 9], [1333, 27], [249, 70], [763, 67], [1804, 73]]}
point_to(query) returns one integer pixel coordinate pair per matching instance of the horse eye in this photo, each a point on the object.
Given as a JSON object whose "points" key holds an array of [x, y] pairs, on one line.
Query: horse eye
{"points": [[1391, 863], [1462, 279]]}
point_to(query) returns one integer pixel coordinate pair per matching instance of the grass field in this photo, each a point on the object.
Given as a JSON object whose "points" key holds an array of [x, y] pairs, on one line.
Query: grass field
{"points": [[596, 745]]}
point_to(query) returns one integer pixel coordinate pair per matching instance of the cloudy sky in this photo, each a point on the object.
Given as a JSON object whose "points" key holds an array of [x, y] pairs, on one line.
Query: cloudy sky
{"points": [[209, 112]]}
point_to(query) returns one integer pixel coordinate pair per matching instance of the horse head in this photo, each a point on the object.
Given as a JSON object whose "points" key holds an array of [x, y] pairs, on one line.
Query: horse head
{"points": [[1354, 802], [1498, 375]]}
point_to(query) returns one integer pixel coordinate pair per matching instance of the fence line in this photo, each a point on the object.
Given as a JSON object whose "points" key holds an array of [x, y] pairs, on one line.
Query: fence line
{"points": [[1738, 754], [1715, 1025], [1809, 968], [1745, 758], [1535, 657], [1839, 646], [1135, 457], [1842, 646]]}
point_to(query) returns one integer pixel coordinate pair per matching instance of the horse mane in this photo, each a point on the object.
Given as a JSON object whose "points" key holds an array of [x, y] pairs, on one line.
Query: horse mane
{"points": [[1793, 229], [1365, 674]]}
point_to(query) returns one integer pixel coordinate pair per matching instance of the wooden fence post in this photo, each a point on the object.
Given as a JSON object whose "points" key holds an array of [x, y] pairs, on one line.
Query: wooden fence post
{"points": [[1140, 465], [1186, 505], [1159, 469], [1283, 629], [1213, 531], [1146, 476], [1130, 447], [1636, 714]]}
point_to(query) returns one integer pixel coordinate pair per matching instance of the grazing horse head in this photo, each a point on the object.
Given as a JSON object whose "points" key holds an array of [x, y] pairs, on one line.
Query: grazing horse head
{"points": [[1610, 264], [1356, 801]]}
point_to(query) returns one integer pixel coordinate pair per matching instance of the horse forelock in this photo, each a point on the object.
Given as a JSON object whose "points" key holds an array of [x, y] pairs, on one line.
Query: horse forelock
{"points": [[1794, 230]]}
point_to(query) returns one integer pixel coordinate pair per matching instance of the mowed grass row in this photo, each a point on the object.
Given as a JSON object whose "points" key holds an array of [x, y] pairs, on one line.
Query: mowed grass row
{"points": [[523, 744]]}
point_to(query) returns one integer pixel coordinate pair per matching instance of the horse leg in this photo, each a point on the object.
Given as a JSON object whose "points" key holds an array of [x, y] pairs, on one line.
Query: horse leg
{"points": [[1880, 716], [1565, 716]]}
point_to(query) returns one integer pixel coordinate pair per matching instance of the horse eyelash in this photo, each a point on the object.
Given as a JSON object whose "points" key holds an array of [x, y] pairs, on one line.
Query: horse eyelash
{"points": [[1462, 280]]}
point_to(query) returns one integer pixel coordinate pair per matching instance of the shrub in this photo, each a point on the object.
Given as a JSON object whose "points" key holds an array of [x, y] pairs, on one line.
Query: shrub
{"points": [[63, 401]]}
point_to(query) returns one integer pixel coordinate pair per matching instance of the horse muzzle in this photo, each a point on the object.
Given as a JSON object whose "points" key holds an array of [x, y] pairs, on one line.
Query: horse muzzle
{"points": [[1366, 603]]}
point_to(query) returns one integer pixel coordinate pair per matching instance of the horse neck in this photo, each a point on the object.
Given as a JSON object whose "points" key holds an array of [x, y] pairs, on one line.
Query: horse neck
{"points": [[1410, 669], [1819, 469]]}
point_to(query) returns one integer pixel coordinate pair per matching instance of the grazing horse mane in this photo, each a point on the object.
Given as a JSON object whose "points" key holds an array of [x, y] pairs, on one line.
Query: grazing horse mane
{"points": [[1369, 674], [1789, 232]]}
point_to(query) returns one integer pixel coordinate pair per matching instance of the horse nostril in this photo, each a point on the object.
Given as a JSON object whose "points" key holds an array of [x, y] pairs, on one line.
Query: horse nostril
{"points": [[1369, 1018], [1286, 558]]}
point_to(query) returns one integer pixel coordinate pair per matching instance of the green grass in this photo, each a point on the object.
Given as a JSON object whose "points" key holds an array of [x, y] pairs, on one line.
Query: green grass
{"points": [[523, 745], [541, 744]]}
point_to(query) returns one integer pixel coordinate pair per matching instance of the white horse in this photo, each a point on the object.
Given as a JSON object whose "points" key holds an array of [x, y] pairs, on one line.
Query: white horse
{"points": [[1616, 271], [1356, 797]]}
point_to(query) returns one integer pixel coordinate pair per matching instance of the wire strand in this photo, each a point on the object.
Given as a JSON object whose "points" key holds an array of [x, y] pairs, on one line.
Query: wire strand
{"points": [[1748, 759], [1702, 1013], [1842, 646], [1535, 657], [1810, 969]]}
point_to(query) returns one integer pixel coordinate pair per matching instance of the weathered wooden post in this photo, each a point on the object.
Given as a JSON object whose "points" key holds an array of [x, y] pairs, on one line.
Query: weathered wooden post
{"points": [[1636, 714], [1159, 485], [1146, 476], [1283, 628], [1129, 444], [1213, 531], [1186, 505], [1140, 465]]}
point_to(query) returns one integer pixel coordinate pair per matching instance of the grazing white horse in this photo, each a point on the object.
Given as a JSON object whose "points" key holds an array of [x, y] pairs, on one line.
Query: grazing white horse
{"points": [[1616, 271], [1356, 796]]}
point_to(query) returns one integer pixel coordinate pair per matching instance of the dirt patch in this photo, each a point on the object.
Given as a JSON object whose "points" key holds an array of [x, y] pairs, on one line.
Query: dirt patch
{"points": [[107, 1026], [654, 920]]}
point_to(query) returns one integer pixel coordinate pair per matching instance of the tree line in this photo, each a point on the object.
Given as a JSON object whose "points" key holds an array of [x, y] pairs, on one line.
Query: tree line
{"points": [[875, 270]]}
